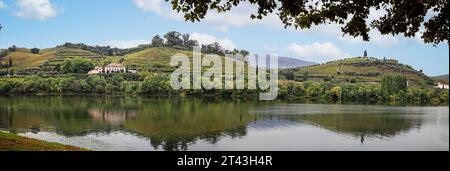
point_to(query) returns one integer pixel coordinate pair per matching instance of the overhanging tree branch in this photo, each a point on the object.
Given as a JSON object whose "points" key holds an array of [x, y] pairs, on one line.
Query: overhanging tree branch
{"points": [[405, 17]]}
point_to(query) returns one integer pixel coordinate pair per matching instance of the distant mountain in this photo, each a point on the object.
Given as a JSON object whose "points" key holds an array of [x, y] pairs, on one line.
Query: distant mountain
{"points": [[286, 63], [441, 78]]}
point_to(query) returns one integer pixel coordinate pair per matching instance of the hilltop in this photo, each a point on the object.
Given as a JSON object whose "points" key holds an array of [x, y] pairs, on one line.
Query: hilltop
{"points": [[359, 69]]}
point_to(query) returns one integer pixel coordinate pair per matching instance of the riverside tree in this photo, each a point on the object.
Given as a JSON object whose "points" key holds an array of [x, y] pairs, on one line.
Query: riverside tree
{"points": [[393, 84]]}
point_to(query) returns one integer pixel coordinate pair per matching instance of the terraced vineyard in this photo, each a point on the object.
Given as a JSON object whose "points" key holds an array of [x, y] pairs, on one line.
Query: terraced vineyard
{"points": [[157, 59], [47, 61], [360, 69]]}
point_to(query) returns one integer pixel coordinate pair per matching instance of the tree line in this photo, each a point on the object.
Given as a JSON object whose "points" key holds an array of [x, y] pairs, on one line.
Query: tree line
{"points": [[171, 39], [159, 85]]}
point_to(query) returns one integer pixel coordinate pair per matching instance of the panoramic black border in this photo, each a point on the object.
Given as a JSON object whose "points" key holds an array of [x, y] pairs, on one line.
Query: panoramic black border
{"points": [[281, 160]]}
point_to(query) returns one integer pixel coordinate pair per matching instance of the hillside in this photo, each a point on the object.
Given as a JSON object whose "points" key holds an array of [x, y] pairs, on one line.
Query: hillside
{"points": [[441, 79], [153, 56], [157, 59], [286, 62], [154, 59], [360, 69], [46, 61]]}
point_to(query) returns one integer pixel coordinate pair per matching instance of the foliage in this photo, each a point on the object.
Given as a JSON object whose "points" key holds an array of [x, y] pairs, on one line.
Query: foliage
{"points": [[392, 84], [157, 41], [77, 65], [173, 38], [159, 85], [35, 50], [156, 85], [401, 17], [13, 48], [104, 50]]}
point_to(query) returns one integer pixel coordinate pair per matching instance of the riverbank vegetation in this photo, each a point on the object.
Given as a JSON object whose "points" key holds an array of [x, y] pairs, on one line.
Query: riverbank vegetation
{"points": [[392, 90]]}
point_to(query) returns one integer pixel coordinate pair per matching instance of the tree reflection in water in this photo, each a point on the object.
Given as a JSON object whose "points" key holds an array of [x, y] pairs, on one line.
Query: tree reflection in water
{"points": [[175, 124]]}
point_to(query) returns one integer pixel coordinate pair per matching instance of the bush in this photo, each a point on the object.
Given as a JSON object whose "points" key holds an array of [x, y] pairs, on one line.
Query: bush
{"points": [[77, 65]]}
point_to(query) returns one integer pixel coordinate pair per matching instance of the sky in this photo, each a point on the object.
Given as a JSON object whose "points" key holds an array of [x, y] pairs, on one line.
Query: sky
{"points": [[128, 23]]}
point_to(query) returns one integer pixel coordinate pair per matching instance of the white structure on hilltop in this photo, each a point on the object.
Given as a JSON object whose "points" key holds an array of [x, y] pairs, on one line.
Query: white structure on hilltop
{"points": [[441, 86], [111, 68]]}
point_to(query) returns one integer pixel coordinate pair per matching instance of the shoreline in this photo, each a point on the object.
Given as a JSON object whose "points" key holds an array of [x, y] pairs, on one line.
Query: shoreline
{"points": [[210, 97], [12, 142]]}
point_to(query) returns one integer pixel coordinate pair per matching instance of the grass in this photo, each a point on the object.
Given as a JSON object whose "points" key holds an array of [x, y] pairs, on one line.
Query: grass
{"points": [[11, 142], [23, 60]]}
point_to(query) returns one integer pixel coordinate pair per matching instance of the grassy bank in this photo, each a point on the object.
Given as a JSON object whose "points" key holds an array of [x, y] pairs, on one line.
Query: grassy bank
{"points": [[11, 142]]}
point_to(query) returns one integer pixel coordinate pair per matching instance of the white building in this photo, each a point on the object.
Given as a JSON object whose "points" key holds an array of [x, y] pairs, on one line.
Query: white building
{"points": [[441, 86], [111, 68], [96, 70]]}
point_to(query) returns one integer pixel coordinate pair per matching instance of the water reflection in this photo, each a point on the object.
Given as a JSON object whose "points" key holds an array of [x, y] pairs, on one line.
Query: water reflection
{"points": [[178, 124]]}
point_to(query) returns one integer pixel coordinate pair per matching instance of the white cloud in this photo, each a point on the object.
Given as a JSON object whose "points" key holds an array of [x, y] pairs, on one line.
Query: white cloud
{"points": [[36, 9], [239, 16], [159, 7], [317, 52], [334, 30], [209, 39], [2, 5], [123, 44], [150, 5]]}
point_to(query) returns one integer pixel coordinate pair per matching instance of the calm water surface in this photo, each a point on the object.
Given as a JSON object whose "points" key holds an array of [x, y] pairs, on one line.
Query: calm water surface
{"points": [[113, 123]]}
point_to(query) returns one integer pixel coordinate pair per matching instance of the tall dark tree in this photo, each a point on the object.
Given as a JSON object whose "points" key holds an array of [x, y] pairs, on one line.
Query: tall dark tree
{"points": [[244, 52], [157, 41], [173, 38], [192, 43], [289, 75], [186, 38], [365, 53], [13, 48], [35, 51], [10, 62], [393, 84], [402, 17]]}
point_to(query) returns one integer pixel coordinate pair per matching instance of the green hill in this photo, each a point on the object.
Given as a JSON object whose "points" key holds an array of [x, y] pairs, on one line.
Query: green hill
{"points": [[360, 69], [156, 59], [47, 60]]}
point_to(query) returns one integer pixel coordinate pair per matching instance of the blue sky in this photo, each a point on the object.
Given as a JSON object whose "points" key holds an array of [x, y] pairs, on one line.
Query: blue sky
{"points": [[126, 23]]}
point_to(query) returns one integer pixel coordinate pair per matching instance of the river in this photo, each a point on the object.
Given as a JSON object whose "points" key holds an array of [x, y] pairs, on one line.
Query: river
{"points": [[168, 124]]}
